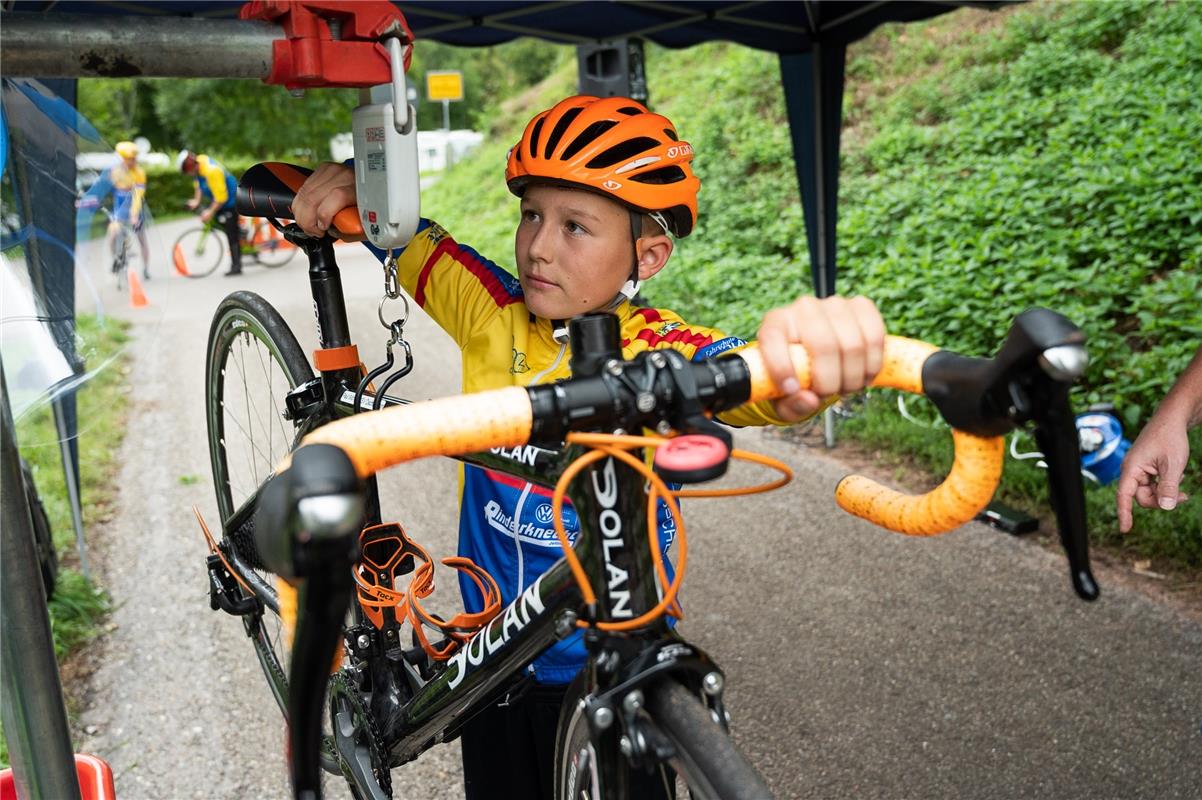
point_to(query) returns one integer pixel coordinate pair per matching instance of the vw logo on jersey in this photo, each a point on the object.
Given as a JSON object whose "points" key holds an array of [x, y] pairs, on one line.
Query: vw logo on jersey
{"points": [[544, 513]]}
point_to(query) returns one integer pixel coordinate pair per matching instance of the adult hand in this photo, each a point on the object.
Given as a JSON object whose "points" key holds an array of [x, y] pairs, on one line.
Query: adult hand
{"points": [[206, 215], [327, 191], [845, 339], [192, 204], [1152, 469]]}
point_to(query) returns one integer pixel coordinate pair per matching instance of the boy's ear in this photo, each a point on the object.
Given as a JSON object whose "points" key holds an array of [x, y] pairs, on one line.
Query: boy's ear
{"points": [[654, 252]]}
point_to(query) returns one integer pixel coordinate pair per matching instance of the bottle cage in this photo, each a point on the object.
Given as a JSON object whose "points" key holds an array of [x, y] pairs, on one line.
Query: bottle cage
{"points": [[388, 554]]}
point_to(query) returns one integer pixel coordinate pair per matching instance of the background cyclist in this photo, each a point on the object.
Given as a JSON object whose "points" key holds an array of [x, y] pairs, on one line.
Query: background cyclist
{"points": [[605, 186], [126, 182], [216, 188]]}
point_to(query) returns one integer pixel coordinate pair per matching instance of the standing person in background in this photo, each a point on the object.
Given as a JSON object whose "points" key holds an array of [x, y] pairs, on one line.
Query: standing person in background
{"points": [[126, 182], [1154, 465], [216, 187]]}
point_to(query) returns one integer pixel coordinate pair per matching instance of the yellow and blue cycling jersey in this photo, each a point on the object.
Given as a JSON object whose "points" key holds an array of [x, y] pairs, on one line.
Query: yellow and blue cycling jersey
{"points": [[215, 182], [504, 522], [128, 188]]}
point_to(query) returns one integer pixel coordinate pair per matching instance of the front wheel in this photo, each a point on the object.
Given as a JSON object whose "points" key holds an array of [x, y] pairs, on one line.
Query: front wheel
{"points": [[704, 762], [197, 253], [706, 758]]}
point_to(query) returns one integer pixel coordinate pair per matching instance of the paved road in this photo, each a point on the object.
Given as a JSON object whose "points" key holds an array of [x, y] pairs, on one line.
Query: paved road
{"points": [[862, 664]]}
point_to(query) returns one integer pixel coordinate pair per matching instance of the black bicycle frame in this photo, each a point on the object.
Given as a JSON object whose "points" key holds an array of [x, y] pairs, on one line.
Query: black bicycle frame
{"points": [[611, 504]]}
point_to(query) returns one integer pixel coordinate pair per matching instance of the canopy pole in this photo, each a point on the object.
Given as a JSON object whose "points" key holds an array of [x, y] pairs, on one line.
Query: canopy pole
{"points": [[813, 85]]}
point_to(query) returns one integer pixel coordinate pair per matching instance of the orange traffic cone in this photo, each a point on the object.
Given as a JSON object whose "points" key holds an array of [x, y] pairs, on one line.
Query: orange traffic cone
{"points": [[137, 297], [181, 263]]}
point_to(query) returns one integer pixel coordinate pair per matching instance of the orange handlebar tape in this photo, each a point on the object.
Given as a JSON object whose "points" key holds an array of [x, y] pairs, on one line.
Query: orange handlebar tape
{"points": [[969, 486], [966, 490], [448, 427], [335, 358]]}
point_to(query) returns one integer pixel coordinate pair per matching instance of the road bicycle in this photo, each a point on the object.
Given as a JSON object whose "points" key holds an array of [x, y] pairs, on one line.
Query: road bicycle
{"points": [[306, 562], [199, 251]]}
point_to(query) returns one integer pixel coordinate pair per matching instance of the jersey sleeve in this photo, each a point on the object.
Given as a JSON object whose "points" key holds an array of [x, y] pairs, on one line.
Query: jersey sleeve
{"points": [[658, 328], [214, 178], [451, 282], [139, 194]]}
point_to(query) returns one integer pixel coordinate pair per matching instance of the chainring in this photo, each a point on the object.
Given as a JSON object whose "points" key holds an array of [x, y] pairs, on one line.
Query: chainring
{"points": [[357, 740]]}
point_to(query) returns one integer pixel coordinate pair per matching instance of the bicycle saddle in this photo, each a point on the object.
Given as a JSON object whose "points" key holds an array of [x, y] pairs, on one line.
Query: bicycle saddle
{"points": [[268, 189]]}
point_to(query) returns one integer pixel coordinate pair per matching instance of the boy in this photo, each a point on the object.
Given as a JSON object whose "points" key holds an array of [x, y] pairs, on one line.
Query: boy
{"points": [[604, 185]]}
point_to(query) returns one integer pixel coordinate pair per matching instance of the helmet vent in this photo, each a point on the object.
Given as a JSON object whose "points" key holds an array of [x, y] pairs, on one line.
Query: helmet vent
{"points": [[671, 134], [557, 132], [622, 152], [663, 175], [538, 129], [587, 137], [630, 110]]}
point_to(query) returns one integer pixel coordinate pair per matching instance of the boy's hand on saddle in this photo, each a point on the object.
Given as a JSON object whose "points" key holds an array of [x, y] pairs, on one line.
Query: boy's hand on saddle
{"points": [[327, 191], [845, 338]]}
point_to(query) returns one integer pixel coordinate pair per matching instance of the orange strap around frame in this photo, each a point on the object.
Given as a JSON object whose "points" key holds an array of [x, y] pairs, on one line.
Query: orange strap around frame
{"points": [[335, 358]]}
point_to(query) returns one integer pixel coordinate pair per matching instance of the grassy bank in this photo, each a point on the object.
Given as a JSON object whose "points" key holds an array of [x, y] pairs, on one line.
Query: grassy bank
{"points": [[1042, 155]]}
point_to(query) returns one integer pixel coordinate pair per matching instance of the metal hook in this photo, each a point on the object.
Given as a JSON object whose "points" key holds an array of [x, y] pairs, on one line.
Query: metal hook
{"points": [[392, 282], [396, 376]]}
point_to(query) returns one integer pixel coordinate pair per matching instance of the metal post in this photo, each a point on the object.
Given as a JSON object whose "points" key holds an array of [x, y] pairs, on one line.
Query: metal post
{"points": [[35, 720], [448, 153], [73, 487], [92, 45]]}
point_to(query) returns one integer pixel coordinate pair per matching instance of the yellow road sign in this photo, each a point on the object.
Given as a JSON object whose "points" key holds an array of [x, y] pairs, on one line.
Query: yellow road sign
{"points": [[444, 85]]}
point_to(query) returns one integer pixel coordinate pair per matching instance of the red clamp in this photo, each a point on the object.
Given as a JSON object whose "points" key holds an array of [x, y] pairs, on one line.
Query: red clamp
{"points": [[311, 56]]}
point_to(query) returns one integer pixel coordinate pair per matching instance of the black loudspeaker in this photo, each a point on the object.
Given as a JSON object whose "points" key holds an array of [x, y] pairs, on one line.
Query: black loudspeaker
{"points": [[613, 68]]}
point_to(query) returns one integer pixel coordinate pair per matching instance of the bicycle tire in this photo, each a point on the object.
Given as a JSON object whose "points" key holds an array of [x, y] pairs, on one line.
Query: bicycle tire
{"points": [[251, 352], [706, 757], [576, 776], [271, 249], [200, 250]]}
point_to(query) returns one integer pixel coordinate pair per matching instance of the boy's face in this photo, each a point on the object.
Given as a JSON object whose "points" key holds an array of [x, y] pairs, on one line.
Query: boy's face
{"points": [[573, 251]]}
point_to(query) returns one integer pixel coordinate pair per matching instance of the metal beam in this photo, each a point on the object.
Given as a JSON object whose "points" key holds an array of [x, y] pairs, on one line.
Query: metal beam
{"points": [[94, 46]]}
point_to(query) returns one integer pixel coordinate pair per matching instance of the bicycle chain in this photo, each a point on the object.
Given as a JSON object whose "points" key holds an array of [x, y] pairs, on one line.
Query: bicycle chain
{"points": [[362, 715]]}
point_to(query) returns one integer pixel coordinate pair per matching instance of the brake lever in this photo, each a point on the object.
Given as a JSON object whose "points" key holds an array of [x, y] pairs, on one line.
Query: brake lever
{"points": [[1043, 399], [306, 530], [1056, 434], [1027, 381]]}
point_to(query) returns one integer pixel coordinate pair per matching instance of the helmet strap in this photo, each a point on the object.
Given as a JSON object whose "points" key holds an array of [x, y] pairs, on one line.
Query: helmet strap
{"points": [[631, 287]]}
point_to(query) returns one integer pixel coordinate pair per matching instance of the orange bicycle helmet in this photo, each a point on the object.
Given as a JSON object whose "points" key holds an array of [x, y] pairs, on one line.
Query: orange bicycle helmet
{"points": [[613, 146]]}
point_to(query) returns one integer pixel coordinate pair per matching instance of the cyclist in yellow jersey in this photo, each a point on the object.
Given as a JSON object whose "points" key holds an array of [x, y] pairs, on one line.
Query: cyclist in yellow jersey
{"points": [[126, 182], [215, 189], [605, 185]]}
